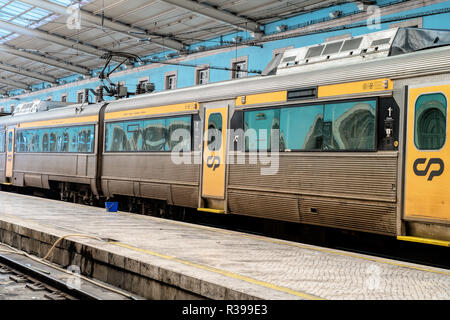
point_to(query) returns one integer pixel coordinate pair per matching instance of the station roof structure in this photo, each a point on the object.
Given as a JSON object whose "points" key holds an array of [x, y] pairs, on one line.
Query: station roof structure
{"points": [[42, 41]]}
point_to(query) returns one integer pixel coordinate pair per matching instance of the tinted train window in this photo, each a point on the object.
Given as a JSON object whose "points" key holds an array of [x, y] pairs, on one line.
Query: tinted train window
{"points": [[215, 126], [179, 133], [10, 140], [349, 126], [2, 141], [301, 128], [154, 135], [260, 127], [56, 140], [430, 124], [150, 135]]}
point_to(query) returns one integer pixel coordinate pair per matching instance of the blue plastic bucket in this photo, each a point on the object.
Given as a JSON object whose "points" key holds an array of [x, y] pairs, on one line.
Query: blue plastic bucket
{"points": [[112, 206]]}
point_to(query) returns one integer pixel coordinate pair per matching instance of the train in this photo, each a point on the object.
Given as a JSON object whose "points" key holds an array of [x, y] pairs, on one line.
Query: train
{"points": [[349, 134]]}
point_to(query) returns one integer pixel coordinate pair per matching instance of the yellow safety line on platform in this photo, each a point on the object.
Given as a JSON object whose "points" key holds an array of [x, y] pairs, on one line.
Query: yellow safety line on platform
{"points": [[282, 242], [222, 272]]}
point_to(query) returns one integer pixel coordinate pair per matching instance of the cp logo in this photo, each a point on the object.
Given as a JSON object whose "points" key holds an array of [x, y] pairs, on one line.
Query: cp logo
{"points": [[213, 162], [434, 173]]}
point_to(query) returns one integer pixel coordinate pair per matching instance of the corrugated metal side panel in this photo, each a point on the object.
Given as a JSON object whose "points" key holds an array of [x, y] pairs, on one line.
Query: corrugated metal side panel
{"points": [[263, 206], [151, 168], [358, 176], [361, 216], [55, 164], [153, 191], [185, 196]]}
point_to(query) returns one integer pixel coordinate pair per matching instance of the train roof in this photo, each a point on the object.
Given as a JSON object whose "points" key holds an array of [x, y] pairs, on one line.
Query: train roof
{"points": [[376, 45], [425, 62], [71, 111]]}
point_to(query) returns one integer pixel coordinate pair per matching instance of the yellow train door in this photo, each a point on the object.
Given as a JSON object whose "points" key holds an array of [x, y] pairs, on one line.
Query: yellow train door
{"points": [[9, 154], [214, 159], [427, 174]]}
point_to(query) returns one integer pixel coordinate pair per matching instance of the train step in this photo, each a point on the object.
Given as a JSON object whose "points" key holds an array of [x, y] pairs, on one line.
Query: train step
{"points": [[211, 210], [435, 242]]}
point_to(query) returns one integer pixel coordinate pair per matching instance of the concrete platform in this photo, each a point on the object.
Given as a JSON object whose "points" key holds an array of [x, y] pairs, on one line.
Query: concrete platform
{"points": [[161, 259]]}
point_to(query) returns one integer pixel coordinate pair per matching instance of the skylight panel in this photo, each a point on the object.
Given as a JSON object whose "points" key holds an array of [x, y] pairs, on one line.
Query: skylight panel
{"points": [[36, 14], [16, 8], [64, 3]]}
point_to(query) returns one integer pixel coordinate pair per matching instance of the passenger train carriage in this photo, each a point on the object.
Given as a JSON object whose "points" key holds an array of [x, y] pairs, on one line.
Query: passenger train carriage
{"points": [[351, 134]]}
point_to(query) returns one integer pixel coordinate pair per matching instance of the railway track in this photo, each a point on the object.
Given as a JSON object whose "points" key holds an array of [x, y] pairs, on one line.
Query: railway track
{"points": [[24, 278]]}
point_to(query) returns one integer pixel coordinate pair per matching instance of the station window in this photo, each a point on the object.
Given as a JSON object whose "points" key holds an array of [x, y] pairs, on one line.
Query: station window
{"points": [[171, 82], [430, 125], [151, 135], [239, 69], [349, 126], [64, 97], [2, 141], [78, 139], [202, 76], [80, 97]]}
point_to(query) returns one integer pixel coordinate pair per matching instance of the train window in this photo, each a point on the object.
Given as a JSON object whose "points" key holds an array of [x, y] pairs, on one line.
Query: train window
{"points": [[45, 143], [2, 141], [259, 127], [61, 140], [215, 125], [53, 142], [346, 126], [178, 132], [64, 142], [301, 128], [349, 126], [116, 137], [152, 135], [134, 135], [10, 140], [430, 121]]}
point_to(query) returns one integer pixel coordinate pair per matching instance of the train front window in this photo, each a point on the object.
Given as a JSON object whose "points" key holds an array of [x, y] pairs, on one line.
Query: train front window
{"points": [[430, 124]]}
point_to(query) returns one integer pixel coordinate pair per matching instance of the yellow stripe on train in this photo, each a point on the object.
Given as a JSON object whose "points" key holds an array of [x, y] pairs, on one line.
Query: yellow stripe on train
{"points": [[173, 108], [76, 120], [356, 87]]}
